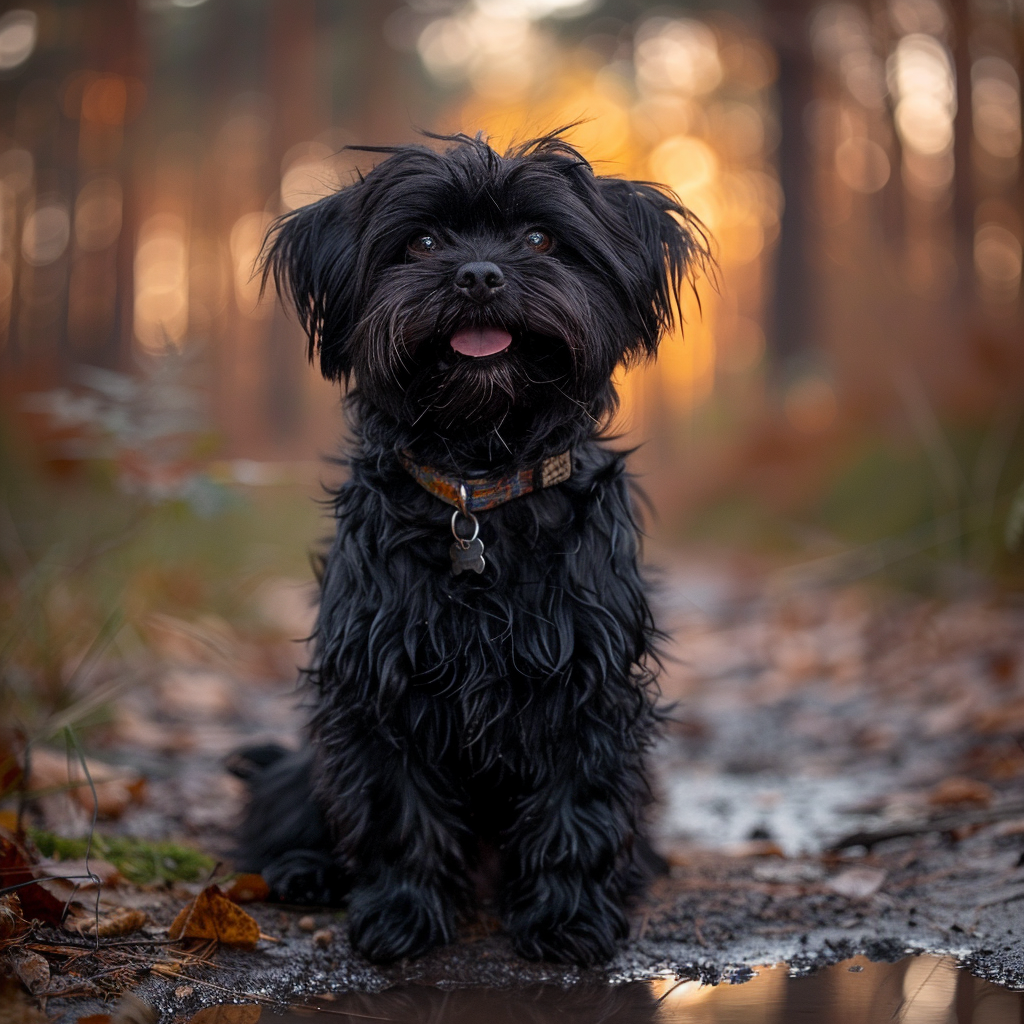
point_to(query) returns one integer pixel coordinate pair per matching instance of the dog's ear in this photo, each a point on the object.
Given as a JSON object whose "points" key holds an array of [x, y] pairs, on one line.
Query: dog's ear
{"points": [[312, 255], [670, 247]]}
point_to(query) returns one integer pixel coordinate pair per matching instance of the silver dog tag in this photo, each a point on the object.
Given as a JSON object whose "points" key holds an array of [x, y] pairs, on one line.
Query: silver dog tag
{"points": [[469, 558]]}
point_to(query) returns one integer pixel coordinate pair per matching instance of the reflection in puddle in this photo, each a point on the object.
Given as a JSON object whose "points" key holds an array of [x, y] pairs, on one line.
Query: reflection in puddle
{"points": [[918, 990]]}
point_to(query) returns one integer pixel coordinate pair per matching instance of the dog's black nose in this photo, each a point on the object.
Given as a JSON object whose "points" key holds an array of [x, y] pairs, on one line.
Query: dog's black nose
{"points": [[479, 281]]}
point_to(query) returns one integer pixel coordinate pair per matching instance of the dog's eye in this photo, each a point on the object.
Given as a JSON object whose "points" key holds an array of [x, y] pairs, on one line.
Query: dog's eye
{"points": [[423, 244], [539, 240]]}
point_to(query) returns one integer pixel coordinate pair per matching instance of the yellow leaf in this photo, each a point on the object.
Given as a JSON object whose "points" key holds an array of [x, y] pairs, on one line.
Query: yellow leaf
{"points": [[212, 916], [122, 921]]}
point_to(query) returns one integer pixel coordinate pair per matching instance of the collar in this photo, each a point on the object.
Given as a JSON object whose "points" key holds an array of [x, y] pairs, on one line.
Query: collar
{"points": [[480, 493]]}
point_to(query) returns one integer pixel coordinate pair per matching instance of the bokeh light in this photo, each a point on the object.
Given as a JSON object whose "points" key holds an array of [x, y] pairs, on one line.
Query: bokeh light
{"points": [[246, 241], [997, 258], [98, 214], [161, 283], [996, 106], [862, 164], [18, 30], [307, 174], [921, 79], [45, 235], [134, 194], [677, 55]]}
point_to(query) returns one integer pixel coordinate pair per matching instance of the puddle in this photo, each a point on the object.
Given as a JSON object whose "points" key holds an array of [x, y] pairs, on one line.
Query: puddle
{"points": [[917, 990]]}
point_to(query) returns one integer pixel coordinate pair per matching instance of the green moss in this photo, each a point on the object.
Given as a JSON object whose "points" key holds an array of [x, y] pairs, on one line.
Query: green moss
{"points": [[139, 860]]}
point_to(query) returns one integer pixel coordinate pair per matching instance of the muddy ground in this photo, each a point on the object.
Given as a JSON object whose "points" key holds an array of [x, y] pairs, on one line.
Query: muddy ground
{"points": [[843, 775]]}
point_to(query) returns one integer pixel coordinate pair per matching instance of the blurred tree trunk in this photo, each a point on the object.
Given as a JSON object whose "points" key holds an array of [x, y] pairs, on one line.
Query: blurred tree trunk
{"points": [[115, 42], [298, 94], [791, 317], [964, 200], [385, 117]]}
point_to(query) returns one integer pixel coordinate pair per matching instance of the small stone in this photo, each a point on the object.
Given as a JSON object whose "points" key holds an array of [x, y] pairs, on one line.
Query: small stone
{"points": [[323, 938], [307, 923], [183, 991], [857, 882]]}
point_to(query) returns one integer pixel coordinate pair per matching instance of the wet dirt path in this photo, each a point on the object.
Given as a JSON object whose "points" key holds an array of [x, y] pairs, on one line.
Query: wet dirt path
{"points": [[843, 776]]}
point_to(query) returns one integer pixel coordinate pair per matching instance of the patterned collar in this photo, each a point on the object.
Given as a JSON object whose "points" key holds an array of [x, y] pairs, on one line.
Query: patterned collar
{"points": [[479, 493]]}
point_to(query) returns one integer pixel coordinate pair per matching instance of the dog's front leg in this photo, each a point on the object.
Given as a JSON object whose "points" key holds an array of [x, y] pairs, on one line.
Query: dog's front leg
{"points": [[399, 823], [568, 864]]}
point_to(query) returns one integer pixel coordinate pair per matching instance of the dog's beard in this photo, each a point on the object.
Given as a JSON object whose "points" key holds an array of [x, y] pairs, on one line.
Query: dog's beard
{"points": [[467, 389], [407, 366]]}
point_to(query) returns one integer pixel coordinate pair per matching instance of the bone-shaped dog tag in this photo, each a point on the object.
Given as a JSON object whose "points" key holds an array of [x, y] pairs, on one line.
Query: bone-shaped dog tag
{"points": [[469, 558]]}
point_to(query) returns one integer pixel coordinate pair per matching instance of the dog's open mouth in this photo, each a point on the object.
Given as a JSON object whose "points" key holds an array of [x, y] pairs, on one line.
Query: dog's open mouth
{"points": [[481, 341]]}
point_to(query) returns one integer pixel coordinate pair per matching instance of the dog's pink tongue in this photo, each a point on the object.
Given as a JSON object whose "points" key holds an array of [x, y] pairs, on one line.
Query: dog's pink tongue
{"points": [[481, 341]]}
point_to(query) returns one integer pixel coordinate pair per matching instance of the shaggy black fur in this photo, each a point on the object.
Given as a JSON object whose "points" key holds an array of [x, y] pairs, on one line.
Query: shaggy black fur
{"points": [[515, 707]]}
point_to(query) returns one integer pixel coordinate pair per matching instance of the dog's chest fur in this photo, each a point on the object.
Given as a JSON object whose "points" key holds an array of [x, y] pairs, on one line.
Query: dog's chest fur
{"points": [[559, 613]]}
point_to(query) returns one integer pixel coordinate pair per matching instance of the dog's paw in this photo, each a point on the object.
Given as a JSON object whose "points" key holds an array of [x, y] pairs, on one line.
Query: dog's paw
{"points": [[584, 931], [306, 877], [389, 922], [579, 942]]}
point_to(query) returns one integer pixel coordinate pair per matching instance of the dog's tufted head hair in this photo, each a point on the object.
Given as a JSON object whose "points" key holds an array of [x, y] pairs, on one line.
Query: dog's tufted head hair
{"points": [[467, 291]]}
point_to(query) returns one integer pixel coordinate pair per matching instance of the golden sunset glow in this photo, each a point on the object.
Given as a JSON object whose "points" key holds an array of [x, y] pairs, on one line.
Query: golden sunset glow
{"points": [[690, 116]]}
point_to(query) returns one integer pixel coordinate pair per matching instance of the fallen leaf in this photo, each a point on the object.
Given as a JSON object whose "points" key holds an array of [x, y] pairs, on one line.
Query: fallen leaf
{"points": [[16, 1007], [115, 787], [95, 1018], [196, 695], [248, 889], [38, 902], [230, 1013], [10, 770], [1001, 665], [857, 883], [754, 848], [167, 968], [32, 969], [9, 821], [122, 921], [80, 870], [11, 920], [211, 915], [1006, 719], [959, 790]]}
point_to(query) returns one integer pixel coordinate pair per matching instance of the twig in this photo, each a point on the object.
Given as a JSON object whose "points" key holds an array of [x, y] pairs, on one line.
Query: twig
{"points": [[90, 948], [668, 992], [946, 823], [97, 881], [999, 900], [46, 878], [907, 1003]]}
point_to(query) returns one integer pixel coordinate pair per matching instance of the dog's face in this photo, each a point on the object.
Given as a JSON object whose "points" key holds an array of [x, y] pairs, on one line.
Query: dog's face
{"points": [[469, 292]]}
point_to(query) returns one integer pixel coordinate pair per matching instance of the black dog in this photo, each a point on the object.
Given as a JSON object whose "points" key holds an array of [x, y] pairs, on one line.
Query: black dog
{"points": [[496, 686]]}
